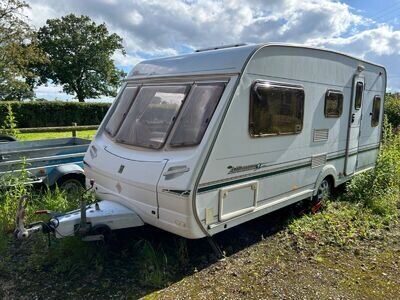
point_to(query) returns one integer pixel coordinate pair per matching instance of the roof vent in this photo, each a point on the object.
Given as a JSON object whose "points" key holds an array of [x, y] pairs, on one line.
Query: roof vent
{"points": [[220, 47]]}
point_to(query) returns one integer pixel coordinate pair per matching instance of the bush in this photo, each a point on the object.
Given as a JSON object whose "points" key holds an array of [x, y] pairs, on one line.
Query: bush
{"points": [[9, 127], [392, 109], [54, 113], [379, 188]]}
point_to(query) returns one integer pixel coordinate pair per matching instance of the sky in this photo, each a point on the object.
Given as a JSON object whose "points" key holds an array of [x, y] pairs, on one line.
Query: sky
{"points": [[369, 29]]}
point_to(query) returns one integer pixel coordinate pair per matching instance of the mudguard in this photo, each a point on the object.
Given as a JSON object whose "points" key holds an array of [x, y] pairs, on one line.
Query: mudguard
{"points": [[328, 170], [61, 171]]}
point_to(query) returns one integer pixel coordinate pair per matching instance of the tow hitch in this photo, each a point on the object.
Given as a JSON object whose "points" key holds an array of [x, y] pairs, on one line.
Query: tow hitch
{"points": [[91, 221], [23, 233]]}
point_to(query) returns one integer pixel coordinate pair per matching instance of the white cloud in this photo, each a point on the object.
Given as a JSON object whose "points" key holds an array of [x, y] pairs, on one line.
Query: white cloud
{"points": [[383, 40], [163, 28], [126, 60]]}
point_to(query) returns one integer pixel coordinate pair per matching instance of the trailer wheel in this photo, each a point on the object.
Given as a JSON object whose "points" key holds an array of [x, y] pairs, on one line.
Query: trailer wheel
{"points": [[72, 185], [103, 230], [324, 191], [6, 138]]}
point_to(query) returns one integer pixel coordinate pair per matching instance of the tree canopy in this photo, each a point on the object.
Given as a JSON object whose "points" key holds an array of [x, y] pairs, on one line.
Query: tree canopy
{"points": [[79, 53], [18, 52]]}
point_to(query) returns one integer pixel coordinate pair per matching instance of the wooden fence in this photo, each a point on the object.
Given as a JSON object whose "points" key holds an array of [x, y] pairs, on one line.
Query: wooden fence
{"points": [[73, 129]]}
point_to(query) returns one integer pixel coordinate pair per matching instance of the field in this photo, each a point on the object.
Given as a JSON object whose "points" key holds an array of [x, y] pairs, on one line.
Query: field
{"points": [[349, 250], [85, 134]]}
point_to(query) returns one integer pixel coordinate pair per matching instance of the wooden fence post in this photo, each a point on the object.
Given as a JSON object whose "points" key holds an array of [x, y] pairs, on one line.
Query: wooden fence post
{"points": [[74, 129]]}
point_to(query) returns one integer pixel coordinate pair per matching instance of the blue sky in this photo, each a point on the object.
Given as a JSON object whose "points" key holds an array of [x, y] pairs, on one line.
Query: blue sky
{"points": [[156, 28]]}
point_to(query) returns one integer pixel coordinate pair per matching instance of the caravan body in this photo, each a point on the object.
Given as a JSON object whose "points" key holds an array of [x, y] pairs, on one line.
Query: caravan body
{"points": [[198, 143]]}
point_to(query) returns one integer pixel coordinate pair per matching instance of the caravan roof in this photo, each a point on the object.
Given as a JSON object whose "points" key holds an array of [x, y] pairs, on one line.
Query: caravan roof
{"points": [[222, 60]]}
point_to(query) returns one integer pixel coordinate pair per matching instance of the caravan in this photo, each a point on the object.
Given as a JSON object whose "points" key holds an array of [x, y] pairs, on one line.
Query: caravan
{"points": [[202, 142]]}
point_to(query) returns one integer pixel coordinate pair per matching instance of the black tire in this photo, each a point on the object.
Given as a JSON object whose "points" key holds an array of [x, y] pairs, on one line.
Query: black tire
{"points": [[7, 138], [72, 184], [324, 192], [102, 229]]}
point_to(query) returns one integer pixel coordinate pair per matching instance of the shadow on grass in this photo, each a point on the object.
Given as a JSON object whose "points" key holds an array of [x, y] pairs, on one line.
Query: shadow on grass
{"points": [[132, 264]]}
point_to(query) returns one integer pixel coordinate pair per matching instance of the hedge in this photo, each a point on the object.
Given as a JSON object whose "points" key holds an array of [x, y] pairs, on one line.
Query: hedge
{"points": [[54, 113], [392, 109]]}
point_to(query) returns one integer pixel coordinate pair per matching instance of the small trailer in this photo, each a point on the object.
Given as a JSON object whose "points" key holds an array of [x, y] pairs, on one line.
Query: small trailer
{"points": [[202, 142], [49, 162]]}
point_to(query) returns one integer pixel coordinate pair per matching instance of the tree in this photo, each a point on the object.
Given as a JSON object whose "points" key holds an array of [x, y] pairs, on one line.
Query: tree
{"points": [[80, 53], [18, 52]]}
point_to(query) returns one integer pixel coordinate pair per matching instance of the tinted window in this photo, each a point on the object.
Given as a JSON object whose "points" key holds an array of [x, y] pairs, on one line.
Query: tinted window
{"points": [[152, 115], [196, 114], [276, 109], [121, 110], [333, 104], [359, 95], [376, 110]]}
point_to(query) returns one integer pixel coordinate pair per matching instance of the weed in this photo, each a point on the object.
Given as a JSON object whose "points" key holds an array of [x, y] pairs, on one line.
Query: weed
{"points": [[342, 224], [13, 188], [153, 264], [369, 206], [379, 188], [9, 126]]}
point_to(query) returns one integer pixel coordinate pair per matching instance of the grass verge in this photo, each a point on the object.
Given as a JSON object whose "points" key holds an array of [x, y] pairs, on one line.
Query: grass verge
{"points": [[85, 134]]}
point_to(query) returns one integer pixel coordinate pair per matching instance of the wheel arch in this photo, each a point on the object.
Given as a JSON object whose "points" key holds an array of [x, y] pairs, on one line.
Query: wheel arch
{"points": [[7, 138], [63, 171], [328, 172]]}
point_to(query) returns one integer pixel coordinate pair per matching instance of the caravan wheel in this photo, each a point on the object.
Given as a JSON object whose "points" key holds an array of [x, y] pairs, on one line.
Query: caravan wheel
{"points": [[323, 193]]}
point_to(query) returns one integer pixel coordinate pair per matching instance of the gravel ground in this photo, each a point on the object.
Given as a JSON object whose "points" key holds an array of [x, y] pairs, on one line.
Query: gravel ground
{"points": [[272, 269]]}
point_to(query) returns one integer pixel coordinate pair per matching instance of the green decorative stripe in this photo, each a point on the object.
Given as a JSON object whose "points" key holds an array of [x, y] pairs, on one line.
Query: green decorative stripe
{"points": [[368, 149], [336, 157], [258, 176], [277, 172]]}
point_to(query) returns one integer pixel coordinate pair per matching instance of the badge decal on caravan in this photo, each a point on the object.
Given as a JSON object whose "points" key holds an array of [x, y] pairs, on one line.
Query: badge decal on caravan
{"points": [[238, 169]]}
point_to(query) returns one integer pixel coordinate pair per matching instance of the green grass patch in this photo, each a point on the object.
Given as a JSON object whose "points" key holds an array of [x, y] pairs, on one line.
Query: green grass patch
{"points": [[84, 134], [369, 206]]}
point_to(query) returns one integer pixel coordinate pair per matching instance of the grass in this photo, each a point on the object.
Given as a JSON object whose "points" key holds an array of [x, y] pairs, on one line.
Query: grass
{"points": [[369, 207], [85, 134]]}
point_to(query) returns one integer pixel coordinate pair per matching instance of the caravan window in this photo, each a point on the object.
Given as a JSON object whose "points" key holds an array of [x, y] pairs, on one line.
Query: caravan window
{"points": [[276, 109], [121, 109], [333, 104], [196, 114], [359, 95], [152, 115], [376, 110]]}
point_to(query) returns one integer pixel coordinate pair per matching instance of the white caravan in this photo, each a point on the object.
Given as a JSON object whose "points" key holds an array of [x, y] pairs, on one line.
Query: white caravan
{"points": [[202, 142]]}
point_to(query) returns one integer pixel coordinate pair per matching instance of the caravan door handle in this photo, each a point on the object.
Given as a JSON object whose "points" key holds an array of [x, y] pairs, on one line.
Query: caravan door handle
{"points": [[353, 117]]}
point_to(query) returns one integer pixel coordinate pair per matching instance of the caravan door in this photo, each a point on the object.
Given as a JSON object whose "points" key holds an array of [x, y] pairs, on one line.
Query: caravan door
{"points": [[355, 117]]}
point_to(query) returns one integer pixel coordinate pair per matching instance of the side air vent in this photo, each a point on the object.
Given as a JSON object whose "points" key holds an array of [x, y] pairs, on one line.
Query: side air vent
{"points": [[320, 135], [318, 160]]}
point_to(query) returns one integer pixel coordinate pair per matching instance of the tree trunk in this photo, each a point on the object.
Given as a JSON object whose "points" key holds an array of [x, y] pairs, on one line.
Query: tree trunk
{"points": [[81, 97], [79, 92]]}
